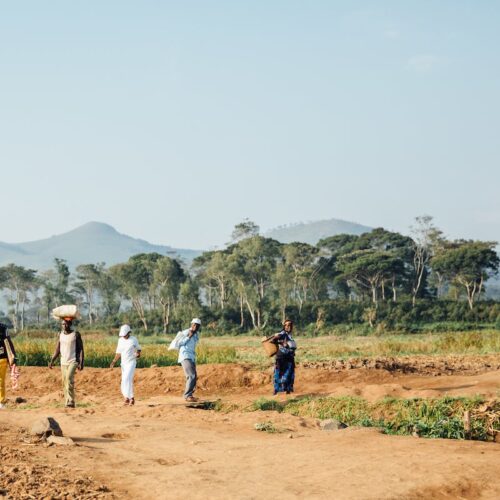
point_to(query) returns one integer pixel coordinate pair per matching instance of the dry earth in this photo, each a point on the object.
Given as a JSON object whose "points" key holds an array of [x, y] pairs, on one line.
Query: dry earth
{"points": [[161, 449]]}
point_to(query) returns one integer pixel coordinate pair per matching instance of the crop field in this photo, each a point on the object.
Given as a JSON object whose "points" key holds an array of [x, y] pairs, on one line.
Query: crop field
{"points": [[100, 348]]}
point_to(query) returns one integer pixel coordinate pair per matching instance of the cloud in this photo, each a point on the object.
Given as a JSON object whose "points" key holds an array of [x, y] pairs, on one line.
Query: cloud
{"points": [[422, 63]]}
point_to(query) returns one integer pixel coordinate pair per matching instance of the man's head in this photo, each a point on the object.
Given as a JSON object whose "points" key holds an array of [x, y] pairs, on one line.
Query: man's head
{"points": [[125, 331], [67, 324], [195, 324], [288, 325]]}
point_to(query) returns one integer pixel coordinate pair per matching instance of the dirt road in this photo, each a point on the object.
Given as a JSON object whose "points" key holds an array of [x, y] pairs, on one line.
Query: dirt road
{"points": [[159, 448]]}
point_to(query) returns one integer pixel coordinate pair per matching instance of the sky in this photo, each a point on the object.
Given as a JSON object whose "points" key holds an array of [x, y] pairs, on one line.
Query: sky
{"points": [[175, 120]]}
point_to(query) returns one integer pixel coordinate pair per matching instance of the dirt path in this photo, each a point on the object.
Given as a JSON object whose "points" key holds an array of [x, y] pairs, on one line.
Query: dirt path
{"points": [[159, 448]]}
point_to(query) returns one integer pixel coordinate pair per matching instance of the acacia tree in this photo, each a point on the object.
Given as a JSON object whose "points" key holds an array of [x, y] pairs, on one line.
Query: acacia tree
{"points": [[89, 277], [369, 269], [109, 289], [427, 238], [136, 280], [19, 281], [252, 263], [167, 278], [301, 259], [212, 269], [244, 230], [468, 264]]}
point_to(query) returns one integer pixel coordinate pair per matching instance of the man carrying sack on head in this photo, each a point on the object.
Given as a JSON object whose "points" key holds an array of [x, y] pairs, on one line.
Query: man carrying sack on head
{"points": [[7, 357], [70, 348]]}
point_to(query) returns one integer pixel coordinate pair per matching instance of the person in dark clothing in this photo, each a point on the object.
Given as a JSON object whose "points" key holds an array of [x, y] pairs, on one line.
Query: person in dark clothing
{"points": [[284, 369]]}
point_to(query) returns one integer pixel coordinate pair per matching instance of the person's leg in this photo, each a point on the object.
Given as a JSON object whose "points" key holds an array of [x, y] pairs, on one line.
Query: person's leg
{"points": [[3, 375], [190, 372], [122, 385], [71, 384], [64, 377], [127, 385]]}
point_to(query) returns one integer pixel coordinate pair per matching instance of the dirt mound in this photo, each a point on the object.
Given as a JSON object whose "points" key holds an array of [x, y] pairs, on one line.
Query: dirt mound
{"points": [[24, 475], [423, 365], [418, 376]]}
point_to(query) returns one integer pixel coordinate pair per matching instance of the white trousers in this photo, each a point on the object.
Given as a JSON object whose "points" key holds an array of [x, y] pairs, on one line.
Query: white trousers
{"points": [[127, 387]]}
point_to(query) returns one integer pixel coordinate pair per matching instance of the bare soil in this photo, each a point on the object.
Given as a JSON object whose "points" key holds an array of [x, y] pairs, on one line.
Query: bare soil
{"points": [[161, 449]]}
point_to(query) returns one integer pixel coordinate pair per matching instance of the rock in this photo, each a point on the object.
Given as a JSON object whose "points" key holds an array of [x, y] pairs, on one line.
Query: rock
{"points": [[60, 440], [45, 427], [331, 425], [19, 400]]}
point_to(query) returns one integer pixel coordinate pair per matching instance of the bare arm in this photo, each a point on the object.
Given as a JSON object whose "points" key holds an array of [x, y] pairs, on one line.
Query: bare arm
{"points": [[115, 359], [79, 350], [11, 345], [56, 354]]}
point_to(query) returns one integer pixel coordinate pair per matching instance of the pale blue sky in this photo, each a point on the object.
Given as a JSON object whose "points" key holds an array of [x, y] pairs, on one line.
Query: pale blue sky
{"points": [[174, 120]]}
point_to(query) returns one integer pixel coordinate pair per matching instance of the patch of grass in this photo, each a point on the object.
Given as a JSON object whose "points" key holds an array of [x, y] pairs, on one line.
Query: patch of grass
{"points": [[431, 418], [268, 427], [264, 404]]}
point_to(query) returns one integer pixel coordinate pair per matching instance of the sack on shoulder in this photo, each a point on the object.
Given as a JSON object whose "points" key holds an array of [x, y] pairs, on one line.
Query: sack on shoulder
{"points": [[174, 345]]}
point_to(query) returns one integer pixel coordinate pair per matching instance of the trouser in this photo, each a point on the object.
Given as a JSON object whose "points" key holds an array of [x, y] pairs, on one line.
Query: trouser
{"points": [[68, 381], [128, 370], [4, 364], [189, 367]]}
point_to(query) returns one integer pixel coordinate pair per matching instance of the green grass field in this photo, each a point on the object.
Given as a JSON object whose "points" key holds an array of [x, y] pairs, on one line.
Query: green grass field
{"points": [[100, 347]]}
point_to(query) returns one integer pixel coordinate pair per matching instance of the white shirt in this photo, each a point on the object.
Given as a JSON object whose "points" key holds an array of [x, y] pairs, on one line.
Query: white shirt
{"points": [[128, 348], [67, 345]]}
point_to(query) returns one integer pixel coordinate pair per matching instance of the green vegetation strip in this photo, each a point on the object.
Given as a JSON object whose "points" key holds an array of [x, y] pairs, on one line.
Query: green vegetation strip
{"points": [[99, 354], [431, 418], [99, 348]]}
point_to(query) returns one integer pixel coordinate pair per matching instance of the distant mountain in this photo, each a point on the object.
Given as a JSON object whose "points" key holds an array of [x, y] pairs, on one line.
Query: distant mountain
{"points": [[312, 232], [91, 243]]}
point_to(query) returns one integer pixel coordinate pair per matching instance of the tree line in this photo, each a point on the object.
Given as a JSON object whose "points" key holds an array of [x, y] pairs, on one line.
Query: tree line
{"points": [[255, 279]]}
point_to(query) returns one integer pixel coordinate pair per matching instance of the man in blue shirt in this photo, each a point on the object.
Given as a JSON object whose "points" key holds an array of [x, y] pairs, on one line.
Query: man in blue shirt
{"points": [[187, 357]]}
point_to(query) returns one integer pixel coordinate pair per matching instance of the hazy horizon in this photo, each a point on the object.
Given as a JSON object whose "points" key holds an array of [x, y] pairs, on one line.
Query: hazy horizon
{"points": [[174, 122]]}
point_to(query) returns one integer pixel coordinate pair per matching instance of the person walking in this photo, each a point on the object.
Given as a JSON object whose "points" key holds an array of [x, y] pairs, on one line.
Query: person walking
{"points": [[70, 348], [7, 358], [284, 368], [129, 350], [187, 357]]}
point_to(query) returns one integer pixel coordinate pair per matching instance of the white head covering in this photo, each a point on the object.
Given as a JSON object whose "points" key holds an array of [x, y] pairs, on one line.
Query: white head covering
{"points": [[124, 330], [197, 321]]}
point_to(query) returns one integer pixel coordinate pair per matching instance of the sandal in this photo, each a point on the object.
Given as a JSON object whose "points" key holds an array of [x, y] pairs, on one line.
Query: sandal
{"points": [[126, 402], [131, 402]]}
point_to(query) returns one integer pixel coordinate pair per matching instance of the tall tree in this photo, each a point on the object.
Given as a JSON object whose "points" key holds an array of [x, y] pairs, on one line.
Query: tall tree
{"points": [[168, 277], [369, 269], [243, 230], [136, 279], [468, 264], [252, 263], [427, 239], [88, 280], [19, 281]]}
